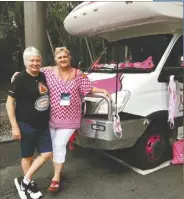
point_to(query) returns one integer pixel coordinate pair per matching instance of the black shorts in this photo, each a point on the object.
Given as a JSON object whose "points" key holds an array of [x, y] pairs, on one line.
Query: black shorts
{"points": [[34, 139]]}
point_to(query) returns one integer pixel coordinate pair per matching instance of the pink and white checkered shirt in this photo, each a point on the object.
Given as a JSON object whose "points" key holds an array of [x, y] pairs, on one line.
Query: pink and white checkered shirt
{"points": [[66, 117]]}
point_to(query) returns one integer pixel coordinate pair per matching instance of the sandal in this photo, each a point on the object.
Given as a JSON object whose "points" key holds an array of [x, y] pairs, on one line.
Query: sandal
{"points": [[54, 186]]}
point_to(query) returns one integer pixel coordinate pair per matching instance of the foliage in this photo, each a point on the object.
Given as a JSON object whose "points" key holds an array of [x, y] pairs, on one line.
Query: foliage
{"points": [[82, 49], [12, 39]]}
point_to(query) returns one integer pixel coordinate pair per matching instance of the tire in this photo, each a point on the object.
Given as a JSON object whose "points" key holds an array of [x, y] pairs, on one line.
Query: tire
{"points": [[153, 147]]}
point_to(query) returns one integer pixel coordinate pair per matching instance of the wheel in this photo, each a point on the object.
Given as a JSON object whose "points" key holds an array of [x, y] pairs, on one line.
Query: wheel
{"points": [[153, 147]]}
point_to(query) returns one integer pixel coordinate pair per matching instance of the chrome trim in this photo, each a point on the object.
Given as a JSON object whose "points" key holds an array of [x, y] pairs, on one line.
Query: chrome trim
{"points": [[107, 140], [92, 143], [108, 100]]}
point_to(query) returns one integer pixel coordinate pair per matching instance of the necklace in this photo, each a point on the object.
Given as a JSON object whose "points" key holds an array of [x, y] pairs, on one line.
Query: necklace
{"points": [[60, 73]]}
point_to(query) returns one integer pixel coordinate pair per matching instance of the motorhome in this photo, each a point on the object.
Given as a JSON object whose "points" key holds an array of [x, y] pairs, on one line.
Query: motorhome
{"points": [[145, 48]]}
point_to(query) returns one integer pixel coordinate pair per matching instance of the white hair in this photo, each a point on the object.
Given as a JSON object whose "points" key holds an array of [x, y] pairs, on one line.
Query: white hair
{"points": [[30, 51]]}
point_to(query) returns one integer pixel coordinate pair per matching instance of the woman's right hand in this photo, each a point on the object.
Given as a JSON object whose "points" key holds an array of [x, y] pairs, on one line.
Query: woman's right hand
{"points": [[16, 135]]}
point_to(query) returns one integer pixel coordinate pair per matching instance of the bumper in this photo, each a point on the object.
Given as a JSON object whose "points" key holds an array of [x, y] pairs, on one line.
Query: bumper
{"points": [[99, 134]]}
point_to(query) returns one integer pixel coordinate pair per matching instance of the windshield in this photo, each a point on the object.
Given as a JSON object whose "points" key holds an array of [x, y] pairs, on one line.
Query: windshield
{"points": [[139, 54]]}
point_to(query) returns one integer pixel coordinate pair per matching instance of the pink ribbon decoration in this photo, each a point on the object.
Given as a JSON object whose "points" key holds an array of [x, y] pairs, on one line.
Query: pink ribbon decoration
{"points": [[172, 101], [117, 124], [178, 152]]}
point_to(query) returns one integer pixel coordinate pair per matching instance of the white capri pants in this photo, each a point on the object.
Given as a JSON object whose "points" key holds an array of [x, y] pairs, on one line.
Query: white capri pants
{"points": [[60, 138]]}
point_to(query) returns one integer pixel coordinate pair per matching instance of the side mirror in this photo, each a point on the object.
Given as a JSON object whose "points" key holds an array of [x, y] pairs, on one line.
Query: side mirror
{"points": [[166, 72]]}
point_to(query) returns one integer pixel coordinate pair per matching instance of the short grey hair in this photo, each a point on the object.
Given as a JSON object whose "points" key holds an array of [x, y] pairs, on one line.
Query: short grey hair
{"points": [[30, 51]]}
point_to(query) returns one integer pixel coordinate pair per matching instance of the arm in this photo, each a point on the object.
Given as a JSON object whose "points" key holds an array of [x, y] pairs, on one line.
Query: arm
{"points": [[41, 69], [47, 68], [14, 75], [10, 107], [100, 90], [85, 86]]}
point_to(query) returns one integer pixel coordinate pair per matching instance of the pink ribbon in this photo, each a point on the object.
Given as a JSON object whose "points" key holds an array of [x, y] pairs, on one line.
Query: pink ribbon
{"points": [[117, 124], [172, 101]]}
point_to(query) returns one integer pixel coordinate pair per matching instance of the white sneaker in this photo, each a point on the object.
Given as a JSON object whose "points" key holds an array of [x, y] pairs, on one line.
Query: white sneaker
{"points": [[29, 191], [21, 190]]}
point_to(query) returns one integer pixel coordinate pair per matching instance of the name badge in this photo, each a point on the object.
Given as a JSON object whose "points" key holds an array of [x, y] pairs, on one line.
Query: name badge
{"points": [[65, 99]]}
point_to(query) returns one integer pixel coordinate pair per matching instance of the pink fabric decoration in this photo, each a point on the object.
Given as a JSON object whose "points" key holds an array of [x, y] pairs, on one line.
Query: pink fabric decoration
{"points": [[178, 152], [172, 101], [117, 124]]}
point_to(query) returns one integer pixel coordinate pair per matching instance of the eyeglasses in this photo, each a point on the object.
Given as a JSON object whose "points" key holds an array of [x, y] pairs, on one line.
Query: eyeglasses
{"points": [[59, 49]]}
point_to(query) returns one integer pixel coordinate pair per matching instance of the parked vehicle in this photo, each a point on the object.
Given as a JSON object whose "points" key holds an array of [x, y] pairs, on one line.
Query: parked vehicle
{"points": [[145, 49]]}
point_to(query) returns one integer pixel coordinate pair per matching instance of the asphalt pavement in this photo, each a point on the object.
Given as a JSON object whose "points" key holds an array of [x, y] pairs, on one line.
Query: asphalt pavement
{"points": [[90, 175]]}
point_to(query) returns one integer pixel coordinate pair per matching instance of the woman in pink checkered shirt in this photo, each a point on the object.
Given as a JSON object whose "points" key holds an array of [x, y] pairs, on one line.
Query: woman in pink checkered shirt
{"points": [[66, 85]]}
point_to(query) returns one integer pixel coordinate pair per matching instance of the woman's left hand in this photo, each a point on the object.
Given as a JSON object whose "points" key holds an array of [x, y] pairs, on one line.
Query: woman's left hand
{"points": [[100, 90], [106, 93]]}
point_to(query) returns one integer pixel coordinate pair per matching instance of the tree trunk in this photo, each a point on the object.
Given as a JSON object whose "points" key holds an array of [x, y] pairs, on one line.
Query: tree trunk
{"points": [[50, 42], [92, 48], [89, 51], [56, 26]]}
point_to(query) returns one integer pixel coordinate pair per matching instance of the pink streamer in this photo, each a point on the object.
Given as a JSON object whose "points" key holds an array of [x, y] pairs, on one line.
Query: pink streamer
{"points": [[172, 101]]}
